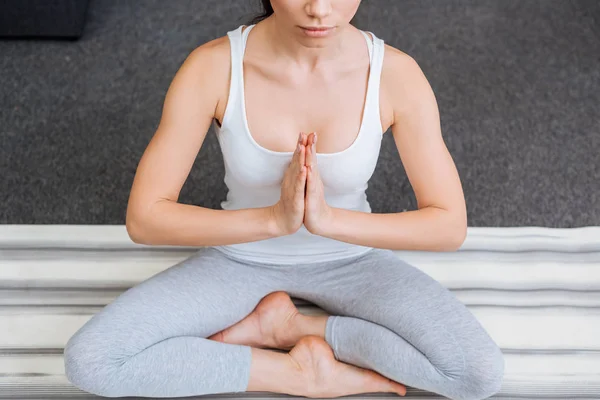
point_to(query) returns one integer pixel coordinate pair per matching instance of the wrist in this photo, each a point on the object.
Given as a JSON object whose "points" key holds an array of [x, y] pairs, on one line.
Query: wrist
{"points": [[273, 228], [327, 225]]}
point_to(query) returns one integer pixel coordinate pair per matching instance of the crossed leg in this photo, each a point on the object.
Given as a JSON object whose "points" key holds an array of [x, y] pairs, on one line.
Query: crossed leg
{"points": [[151, 340], [391, 317], [386, 316]]}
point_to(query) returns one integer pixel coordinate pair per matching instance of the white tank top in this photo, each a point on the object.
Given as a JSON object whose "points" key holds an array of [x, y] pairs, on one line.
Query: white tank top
{"points": [[253, 174]]}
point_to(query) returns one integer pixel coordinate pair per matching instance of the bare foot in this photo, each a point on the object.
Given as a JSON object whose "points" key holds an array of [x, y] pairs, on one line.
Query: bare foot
{"points": [[328, 377], [270, 325]]}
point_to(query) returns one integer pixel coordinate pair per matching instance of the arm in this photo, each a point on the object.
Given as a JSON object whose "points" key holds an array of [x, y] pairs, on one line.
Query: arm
{"points": [[153, 214], [440, 223]]}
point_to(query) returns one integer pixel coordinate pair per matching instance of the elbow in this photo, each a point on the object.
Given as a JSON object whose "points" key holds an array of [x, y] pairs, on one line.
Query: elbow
{"points": [[134, 231], [457, 235], [140, 223], [460, 237], [134, 228]]}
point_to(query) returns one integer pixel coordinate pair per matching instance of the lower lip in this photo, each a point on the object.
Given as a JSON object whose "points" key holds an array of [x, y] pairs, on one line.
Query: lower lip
{"points": [[317, 33]]}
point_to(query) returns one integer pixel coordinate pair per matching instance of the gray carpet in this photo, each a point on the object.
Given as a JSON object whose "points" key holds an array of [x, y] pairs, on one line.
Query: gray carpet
{"points": [[517, 83]]}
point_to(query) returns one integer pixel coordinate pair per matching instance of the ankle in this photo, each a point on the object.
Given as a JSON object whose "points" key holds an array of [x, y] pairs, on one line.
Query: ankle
{"points": [[305, 325], [273, 371]]}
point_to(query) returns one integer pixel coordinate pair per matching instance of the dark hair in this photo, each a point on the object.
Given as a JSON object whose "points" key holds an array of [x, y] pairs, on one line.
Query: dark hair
{"points": [[267, 10]]}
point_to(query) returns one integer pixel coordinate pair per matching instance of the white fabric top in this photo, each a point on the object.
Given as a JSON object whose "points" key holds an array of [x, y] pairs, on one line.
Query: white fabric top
{"points": [[253, 174]]}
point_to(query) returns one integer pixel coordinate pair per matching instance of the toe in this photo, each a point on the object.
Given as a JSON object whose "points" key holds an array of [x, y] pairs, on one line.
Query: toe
{"points": [[217, 337]]}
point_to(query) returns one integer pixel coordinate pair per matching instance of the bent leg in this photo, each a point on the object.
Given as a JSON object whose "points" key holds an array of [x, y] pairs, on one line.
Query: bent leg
{"points": [[393, 318], [151, 340]]}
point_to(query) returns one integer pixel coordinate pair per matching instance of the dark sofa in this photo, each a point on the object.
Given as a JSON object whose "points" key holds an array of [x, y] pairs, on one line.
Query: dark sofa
{"points": [[42, 18]]}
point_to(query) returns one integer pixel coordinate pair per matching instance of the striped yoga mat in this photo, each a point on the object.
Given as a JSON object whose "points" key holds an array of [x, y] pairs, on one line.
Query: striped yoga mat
{"points": [[535, 290]]}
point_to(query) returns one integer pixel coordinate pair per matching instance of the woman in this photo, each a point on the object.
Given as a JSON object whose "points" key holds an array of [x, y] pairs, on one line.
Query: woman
{"points": [[297, 223]]}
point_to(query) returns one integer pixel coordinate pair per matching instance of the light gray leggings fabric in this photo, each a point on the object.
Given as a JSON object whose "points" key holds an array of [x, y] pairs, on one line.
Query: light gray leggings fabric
{"points": [[386, 315]]}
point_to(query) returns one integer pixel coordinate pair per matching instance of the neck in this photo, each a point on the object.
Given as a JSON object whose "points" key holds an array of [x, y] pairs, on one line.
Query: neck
{"points": [[308, 53]]}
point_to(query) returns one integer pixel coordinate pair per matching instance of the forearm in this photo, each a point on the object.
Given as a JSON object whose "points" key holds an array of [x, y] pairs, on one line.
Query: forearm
{"points": [[429, 229], [177, 224]]}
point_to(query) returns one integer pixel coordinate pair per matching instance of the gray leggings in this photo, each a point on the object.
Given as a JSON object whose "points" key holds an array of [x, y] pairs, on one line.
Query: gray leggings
{"points": [[386, 315]]}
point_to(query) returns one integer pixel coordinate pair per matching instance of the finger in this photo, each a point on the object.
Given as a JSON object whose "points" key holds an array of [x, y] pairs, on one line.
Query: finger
{"points": [[295, 157], [314, 147], [307, 179], [298, 149], [301, 181], [310, 179], [309, 153], [302, 155]]}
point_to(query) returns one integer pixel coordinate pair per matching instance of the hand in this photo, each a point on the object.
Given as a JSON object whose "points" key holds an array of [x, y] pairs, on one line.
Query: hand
{"points": [[317, 213], [288, 212]]}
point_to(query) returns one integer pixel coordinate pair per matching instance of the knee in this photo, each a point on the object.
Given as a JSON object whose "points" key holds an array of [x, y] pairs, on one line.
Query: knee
{"points": [[483, 378], [88, 365]]}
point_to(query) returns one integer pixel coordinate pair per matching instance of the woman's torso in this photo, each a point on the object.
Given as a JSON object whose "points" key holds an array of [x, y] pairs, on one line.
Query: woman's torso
{"points": [[278, 107], [257, 124]]}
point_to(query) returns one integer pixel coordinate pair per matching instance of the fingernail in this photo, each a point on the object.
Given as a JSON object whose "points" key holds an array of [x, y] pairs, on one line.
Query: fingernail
{"points": [[300, 137], [299, 147]]}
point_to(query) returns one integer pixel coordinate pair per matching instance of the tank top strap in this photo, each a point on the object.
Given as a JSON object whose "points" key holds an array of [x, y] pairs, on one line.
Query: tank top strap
{"points": [[376, 52], [369, 45], [244, 36], [377, 61], [376, 46], [236, 41], [237, 45]]}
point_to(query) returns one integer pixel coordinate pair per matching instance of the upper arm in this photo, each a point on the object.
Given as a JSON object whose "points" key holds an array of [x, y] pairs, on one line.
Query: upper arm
{"points": [[417, 133], [188, 111]]}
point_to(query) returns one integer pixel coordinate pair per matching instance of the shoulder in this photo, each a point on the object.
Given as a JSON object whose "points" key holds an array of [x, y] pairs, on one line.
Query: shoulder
{"points": [[209, 59], [395, 61], [404, 81], [215, 50], [205, 72]]}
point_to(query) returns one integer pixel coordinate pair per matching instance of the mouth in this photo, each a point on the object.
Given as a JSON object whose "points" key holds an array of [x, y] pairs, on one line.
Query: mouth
{"points": [[317, 29]]}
